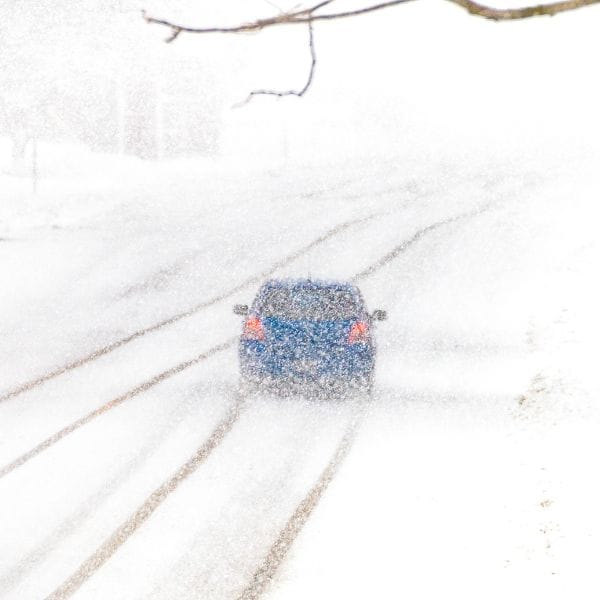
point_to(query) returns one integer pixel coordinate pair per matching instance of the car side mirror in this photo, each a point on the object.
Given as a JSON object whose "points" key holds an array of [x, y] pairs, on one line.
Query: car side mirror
{"points": [[240, 309], [379, 315]]}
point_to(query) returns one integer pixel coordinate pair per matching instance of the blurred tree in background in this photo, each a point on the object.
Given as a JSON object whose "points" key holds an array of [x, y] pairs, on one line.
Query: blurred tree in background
{"points": [[81, 74]]}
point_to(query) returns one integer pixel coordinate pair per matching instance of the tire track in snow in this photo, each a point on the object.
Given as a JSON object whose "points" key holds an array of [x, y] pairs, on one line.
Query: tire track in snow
{"points": [[276, 555], [406, 244], [254, 279], [106, 490], [147, 508], [132, 393]]}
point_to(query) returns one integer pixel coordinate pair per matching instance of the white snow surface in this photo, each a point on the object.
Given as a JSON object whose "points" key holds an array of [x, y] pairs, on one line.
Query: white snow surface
{"points": [[473, 472]]}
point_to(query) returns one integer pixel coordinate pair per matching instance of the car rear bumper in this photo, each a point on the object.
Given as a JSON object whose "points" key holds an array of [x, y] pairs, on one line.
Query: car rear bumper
{"points": [[321, 387], [348, 364]]}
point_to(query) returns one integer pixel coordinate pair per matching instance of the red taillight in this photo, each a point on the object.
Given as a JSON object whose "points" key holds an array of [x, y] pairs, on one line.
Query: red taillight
{"points": [[253, 329], [359, 332]]}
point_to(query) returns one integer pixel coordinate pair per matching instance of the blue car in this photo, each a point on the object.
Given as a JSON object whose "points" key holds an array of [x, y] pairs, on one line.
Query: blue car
{"points": [[304, 332]]}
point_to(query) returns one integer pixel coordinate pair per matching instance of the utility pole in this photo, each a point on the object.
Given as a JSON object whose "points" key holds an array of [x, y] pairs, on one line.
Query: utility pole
{"points": [[121, 108], [34, 165], [285, 136], [159, 119]]}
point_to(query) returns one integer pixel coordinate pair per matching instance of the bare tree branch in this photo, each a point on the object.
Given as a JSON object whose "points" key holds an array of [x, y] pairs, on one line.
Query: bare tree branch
{"points": [[298, 93], [513, 14], [475, 8], [303, 15], [358, 11], [309, 15]]}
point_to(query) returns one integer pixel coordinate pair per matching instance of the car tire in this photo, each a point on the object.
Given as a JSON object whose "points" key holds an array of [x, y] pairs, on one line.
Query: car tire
{"points": [[365, 384], [247, 386]]}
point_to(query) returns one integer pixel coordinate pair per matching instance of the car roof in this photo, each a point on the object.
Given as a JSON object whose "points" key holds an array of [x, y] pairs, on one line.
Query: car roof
{"points": [[307, 283]]}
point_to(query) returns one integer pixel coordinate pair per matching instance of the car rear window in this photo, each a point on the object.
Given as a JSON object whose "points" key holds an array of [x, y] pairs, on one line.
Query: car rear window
{"points": [[320, 304]]}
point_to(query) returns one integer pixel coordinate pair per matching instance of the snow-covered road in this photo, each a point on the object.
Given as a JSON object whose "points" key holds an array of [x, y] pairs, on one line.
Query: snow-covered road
{"points": [[130, 466]]}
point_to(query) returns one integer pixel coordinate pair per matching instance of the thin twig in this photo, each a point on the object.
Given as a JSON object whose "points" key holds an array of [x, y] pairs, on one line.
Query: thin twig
{"points": [[174, 33], [243, 28], [321, 5], [304, 15], [298, 93], [274, 5]]}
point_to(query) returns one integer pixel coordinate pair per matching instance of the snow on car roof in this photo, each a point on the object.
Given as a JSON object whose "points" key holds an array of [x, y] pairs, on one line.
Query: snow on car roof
{"points": [[308, 283]]}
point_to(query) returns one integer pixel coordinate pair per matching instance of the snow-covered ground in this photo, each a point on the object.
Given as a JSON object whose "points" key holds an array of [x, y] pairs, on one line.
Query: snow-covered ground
{"points": [[472, 473]]}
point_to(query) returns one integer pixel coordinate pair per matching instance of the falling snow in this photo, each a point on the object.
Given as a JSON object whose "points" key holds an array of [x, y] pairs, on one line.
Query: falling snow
{"points": [[447, 165]]}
